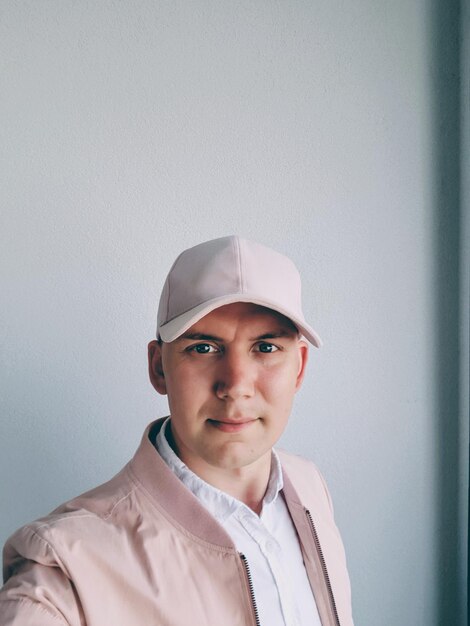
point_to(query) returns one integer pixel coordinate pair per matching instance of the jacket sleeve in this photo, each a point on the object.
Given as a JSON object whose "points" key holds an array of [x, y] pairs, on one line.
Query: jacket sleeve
{"points": [[37, 589]]}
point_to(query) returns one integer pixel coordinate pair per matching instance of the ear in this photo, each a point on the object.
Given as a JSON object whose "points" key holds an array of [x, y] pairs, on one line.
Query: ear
{"points": [[303, 358], [156, 374]]}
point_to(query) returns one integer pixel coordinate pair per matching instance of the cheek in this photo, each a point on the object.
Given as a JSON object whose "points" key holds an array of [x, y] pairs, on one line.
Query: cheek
{"points": [[187, 385], [280, 379], [278, 392]]}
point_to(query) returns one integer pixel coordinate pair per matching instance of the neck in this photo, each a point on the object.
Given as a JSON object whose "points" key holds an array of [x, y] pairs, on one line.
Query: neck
{"points": [[247, 484]]}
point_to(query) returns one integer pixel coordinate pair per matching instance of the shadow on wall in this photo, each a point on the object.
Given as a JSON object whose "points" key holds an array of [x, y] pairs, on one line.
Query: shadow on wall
{"points": [[448, 212]]}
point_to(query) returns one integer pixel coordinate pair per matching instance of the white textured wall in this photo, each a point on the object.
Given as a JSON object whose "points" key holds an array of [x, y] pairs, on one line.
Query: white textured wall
{"points": [[131, 130]]}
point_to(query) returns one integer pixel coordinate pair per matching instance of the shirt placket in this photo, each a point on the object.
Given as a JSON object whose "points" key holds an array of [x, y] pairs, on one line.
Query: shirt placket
{"points": [[272, 552]]}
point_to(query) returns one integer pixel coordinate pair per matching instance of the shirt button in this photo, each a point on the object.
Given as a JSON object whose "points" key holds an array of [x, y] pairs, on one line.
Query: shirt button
{"points": [[270, 546]]}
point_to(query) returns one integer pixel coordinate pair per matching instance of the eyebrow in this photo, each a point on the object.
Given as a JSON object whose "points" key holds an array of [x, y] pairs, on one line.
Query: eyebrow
{"points": [[276, 335], [199, 336], [204, 337]]}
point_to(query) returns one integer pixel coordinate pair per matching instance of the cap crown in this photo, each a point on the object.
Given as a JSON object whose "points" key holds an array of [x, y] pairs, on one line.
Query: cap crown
{"points": [[225, 270], [225, 266]]}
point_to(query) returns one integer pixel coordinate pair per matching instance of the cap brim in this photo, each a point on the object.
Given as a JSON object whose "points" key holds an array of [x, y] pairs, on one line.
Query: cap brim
{"points": [[178, 325]]}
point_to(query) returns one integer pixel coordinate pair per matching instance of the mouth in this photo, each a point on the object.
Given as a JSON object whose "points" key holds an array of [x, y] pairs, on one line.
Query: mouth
{"points": [[233, 426]]}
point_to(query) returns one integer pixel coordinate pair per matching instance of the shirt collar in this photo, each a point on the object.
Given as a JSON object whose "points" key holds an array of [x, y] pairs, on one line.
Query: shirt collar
{"points": [[219, 503]]}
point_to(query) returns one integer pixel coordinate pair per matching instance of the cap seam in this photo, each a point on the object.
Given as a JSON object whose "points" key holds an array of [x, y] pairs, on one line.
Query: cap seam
{"points": [[241, 285]]}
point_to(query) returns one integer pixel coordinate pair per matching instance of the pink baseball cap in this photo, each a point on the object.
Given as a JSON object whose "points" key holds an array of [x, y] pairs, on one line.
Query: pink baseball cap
{"points": [[226, 270]]}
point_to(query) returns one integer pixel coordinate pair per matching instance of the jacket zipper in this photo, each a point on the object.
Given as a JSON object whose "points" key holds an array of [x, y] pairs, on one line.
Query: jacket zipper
{"points": [[324, 569], [250, 586]]}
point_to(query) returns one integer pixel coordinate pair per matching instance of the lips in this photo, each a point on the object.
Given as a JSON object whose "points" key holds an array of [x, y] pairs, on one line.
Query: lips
{"points": [[233, 425]]}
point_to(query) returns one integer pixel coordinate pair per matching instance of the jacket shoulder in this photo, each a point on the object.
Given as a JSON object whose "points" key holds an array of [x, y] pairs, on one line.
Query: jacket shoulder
{"points": [[306, 478], [41, 540]]}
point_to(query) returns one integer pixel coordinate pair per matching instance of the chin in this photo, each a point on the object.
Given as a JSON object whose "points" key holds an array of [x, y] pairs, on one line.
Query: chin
{"points": [[233, 460]]}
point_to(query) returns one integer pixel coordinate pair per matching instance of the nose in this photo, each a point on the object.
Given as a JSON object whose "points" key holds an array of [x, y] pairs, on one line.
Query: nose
{"points": [[235, 377]]}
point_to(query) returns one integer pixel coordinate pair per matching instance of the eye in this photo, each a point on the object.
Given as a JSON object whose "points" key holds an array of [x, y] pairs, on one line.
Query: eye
{"points": [[267, 348], [202, 348]]}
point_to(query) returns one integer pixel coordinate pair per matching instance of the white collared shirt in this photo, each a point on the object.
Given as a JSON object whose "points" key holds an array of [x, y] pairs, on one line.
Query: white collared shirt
{"points": [[269, 542]]}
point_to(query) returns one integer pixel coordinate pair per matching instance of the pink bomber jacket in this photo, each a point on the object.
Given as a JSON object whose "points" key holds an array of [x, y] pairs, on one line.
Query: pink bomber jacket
{"points": [[141, 550]]}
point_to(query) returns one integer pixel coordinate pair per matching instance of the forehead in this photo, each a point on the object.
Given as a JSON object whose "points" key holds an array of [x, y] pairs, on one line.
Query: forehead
{"points": [[244, 314]]}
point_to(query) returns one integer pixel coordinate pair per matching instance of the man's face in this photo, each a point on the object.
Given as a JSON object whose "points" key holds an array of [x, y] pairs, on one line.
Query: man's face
{"points": [[230, 380]]}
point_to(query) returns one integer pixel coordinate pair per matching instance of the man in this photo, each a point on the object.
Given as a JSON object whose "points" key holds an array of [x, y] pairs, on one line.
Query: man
{"points": [[207, 524]]}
